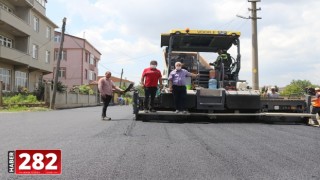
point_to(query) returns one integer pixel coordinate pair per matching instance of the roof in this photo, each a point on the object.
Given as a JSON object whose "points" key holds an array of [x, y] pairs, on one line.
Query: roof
{"points": [[199, 40], [72, 36]]}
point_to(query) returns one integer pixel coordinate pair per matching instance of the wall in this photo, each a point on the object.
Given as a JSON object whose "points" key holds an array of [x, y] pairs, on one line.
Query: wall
{"points": [[71, 100]]}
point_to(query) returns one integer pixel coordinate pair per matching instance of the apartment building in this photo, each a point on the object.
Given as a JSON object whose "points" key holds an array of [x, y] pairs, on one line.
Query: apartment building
{"points": [[79, 61], [26, 43]]}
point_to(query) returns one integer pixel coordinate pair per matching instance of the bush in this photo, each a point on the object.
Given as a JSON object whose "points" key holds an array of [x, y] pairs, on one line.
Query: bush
{"points": [[60, 87], [85, 89], [19, 99]]}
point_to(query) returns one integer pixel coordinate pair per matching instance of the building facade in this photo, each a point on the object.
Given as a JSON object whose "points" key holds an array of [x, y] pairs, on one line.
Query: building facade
{"points": [[26, 43], [79, 61]]}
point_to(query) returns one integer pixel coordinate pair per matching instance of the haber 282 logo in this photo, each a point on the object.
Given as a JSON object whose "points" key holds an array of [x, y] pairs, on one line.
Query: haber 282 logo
{"points": [[34, 162]]}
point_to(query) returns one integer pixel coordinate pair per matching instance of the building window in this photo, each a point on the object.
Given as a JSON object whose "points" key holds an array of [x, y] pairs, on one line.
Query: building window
{"points": [[62, 72], [57, 38], [35, 50], [87, 57], [85, 74], [5, 76], [91, 59], [20, 80], [48, 57], [91, 75], [35, 24], [48, 34], [7, 42], [63, 55]]}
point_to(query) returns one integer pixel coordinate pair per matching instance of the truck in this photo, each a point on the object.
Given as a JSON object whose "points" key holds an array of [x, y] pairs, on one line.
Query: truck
{"points": [[232, 98]]}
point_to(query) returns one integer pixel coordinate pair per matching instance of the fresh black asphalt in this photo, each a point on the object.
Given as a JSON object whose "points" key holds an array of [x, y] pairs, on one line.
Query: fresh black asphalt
{"points": [[127, 149]]}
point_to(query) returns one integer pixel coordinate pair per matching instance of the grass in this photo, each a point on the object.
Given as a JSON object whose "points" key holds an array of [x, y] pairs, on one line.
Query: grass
{"points": [[24, 109]]}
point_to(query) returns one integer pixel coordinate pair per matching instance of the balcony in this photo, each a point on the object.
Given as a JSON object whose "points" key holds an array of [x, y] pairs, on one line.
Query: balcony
{"points": [[22, 3], [12, 24], [18, 58], [14, 57]]}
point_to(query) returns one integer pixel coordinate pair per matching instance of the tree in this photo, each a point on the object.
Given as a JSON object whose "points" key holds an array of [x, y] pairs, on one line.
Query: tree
{"points": [[296, 87]]}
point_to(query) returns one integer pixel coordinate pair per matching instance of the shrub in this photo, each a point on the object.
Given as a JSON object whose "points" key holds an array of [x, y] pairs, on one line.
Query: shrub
{"points": [[85, 89], [19, 99]]}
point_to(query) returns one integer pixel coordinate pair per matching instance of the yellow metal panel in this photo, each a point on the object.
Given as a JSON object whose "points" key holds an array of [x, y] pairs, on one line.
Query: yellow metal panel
{"points": [[210, 32]]}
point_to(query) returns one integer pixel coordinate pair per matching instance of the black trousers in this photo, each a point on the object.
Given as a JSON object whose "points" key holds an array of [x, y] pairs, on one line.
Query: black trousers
{"points": [[149, 91], [179, 96], [106, 100], [314, 110]]}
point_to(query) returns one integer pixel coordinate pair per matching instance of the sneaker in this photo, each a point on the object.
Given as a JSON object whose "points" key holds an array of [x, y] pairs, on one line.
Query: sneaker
{"points": [[152, 110], [106, 118], [146, 111], [177, 111]]}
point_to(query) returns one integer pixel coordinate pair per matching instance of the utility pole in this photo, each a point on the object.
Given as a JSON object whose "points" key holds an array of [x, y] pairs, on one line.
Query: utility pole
{"points": [[53, 100], [255, 65], [121, 78]]}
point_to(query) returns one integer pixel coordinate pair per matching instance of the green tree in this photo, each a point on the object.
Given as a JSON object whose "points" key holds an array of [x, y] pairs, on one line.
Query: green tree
{"points": [[296, 87]]}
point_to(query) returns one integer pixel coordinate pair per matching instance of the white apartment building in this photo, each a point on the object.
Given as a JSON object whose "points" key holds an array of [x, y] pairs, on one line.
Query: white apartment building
{"points": [[26, 43]]}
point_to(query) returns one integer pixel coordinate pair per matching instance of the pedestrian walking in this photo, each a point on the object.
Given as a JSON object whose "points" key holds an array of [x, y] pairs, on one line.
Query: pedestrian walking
{"points": [[106, 88]]}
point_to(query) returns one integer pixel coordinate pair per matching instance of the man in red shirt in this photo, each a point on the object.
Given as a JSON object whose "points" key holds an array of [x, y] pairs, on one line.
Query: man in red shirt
{"points": [[149, 81]]}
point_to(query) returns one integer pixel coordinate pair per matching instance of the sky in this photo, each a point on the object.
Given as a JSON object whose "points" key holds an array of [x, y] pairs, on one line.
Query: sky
{"points": [[127, 33]]}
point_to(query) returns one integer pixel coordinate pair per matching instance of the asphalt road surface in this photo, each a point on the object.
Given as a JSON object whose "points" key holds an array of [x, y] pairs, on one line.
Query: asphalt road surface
{"points": [[127, 149]]}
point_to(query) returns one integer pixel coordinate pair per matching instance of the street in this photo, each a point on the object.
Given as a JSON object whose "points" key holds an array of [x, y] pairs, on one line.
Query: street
{"points": [[127, 149]]}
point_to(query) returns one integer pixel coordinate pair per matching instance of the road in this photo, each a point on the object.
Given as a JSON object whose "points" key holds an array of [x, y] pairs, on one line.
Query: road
{"points": [[127, 149]]}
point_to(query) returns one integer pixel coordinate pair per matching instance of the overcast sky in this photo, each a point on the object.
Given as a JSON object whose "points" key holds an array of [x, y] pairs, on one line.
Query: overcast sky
{"points": [[127, 33]]}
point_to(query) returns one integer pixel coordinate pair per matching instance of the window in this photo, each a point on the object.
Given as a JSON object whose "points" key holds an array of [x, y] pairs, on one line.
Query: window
{"points": [[35, 24], [85, 74], [91, 59], [48, 57], [5, 76], [35, 50], [91, 75], [62, 72], [57, 38], [20, 79], [63, 55], [4, 41], [87, 57], [48, 34]]}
